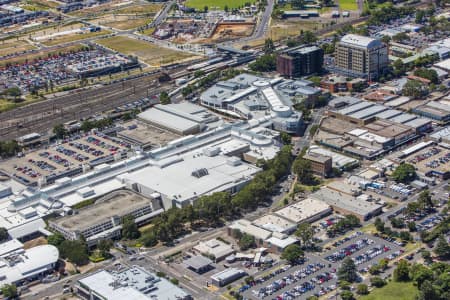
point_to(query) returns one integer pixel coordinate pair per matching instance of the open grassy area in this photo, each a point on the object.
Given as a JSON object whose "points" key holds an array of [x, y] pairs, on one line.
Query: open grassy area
{"points": [[122, 22], [200, 4], [393, 291], [38, 5], [348, 4], [62, 39], [147, 52], [10, 46], [152, 8], [281, 30]]}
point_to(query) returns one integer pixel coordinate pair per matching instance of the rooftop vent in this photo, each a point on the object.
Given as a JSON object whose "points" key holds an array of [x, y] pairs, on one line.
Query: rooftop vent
{"points": [[200, 172]]}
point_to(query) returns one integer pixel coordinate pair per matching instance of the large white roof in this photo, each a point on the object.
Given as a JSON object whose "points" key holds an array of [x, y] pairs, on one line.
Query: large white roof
{"points": [[29, 263], [360, 41]]}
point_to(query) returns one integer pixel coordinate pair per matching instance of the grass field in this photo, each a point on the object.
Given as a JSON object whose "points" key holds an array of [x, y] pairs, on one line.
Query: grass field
{"points": [[147, 52], [348, 4], [10, 46], [122, 22], [140, 9], [281, 30], [393, 291], [62, 39], [200, 4], [38, 5]]}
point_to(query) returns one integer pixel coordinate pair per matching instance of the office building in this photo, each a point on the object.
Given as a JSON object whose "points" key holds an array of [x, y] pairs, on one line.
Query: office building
{"points": [[300, 61], [360, 56], [320, 164], [104, 219]]}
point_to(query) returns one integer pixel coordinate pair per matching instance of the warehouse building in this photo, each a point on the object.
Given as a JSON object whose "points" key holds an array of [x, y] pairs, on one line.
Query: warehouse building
{"points": [[435, 110], [227, 276], [360, 56], [305, 211], [103, 220], [300, 61], [133, 283], [182, 118], [347, 204]]}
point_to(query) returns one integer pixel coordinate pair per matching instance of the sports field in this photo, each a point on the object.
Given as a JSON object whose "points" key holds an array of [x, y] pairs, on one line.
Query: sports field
{"points": [[213, 4], [145, 51], [348, 4]]}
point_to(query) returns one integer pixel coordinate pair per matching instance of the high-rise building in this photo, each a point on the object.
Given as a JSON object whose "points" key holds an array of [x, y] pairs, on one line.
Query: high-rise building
{"points": [[300, 61], [361, 56]]}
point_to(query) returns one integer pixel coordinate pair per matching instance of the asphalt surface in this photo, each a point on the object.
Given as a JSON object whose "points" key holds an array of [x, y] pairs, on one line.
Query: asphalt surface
{"points": [[330, 267]]}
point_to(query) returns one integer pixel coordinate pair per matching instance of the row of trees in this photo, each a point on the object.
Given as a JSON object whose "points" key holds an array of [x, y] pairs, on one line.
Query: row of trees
{"points": [[212, 210], [433, 282], [9, 148]]}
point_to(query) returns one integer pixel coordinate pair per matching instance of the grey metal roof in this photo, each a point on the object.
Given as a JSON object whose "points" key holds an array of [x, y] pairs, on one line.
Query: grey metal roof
{"points": [[368, 112], [354, 108], [390, 113], [198, 262], [403, 118]]}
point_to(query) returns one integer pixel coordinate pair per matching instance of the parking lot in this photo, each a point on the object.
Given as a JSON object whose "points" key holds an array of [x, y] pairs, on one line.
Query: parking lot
{"points": [[317, 275], [66, 158], [431, 159]]}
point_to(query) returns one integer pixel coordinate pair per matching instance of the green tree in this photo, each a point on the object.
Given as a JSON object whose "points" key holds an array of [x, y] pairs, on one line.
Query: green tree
{"points": [[414, 89], [246, 242], [362, 289], [298, 4], [401, 273], [75, 251], [419, 273], [420, 16], [377, 281], [429, 74], [379, 225], [3, 234], [164, 98], [313, 129], [425, 201], [404, 173], [285, 138], [306, 233], [129, 228], [347, 271], [269, 46], [265, 63], [292, 253], [9, 291], [442, 248], [104, 246], [59, 131], [55, 239], [149, 239], [428, 292], [14, 92], [303, 169], [347, 295], [308, 37]]}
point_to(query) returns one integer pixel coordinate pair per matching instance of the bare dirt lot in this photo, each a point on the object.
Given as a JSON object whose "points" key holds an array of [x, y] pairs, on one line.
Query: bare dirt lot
{"points": [[226, 32]]}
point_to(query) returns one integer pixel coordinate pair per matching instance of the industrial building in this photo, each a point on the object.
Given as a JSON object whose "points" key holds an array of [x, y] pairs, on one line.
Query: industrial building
{"points": [[182, 118], [435, 110], [360, 56], [300, 61], [19, 264], [227, 276], [305, 211], [103, 219], [133, 283], [347, 204]]}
